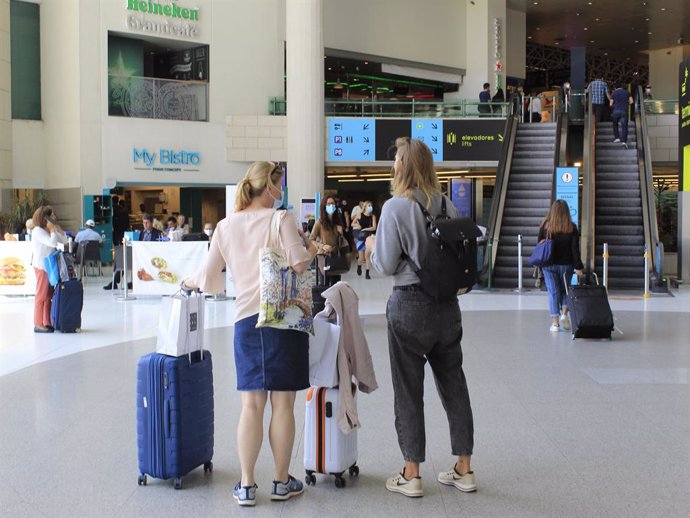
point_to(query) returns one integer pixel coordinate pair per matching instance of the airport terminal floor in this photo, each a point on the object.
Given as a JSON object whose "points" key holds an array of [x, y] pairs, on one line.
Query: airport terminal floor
{"points": [[562, 427]]}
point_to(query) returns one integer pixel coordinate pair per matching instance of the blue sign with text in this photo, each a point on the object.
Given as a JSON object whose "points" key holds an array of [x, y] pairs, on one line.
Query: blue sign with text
{"points": [[351, 139], [461, 196], [430, 131], [567, 179]]}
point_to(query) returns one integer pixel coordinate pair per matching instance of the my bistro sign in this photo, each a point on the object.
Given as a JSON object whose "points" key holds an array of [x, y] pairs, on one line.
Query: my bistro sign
{"points": [[170, 11]]}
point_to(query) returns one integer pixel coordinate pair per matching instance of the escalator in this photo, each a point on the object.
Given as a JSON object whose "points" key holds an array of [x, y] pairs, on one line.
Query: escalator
{"points": [[618, 206], [523, 195]]}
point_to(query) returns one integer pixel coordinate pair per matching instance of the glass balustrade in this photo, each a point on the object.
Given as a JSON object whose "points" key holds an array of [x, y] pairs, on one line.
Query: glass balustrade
{"points": [[151, 98], [661, 106], [403, 108]]}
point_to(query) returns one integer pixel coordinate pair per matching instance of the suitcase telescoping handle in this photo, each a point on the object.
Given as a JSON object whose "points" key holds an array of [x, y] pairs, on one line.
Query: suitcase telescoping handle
{"points": [[565, 280], [187, 294]]}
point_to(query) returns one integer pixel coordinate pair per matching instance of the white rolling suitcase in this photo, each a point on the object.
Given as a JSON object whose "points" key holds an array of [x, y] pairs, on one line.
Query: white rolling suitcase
{"points": [[327, 449]]}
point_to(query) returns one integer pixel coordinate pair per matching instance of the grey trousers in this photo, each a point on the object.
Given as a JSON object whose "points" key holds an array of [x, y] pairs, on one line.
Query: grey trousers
{"points": [[421, 330]]}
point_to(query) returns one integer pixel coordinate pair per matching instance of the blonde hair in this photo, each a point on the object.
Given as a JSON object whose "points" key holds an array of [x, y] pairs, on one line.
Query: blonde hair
{"points": [[255, 181], [416, 170], [557, 220]]}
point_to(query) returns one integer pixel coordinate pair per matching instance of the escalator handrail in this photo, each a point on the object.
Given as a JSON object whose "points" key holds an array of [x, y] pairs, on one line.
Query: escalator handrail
{"points": [[587, 228], [560, 149], [501, 188], [651, 229]]}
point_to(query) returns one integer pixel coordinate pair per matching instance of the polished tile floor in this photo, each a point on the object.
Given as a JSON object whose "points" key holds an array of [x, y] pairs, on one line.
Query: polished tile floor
{"points": [[563, 427]]}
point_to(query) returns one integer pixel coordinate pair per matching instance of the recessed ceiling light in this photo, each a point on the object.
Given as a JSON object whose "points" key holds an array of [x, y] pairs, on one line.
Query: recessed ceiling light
{"points": [[589, 3], [663, 8], [606, 53], [586, 29], [637, 41], [577, 14], [538, 28], [591, 41], [366, 62], [646, 19], [650, 33], [329, 68], [627, 59], [536, 3], [529, 37], [556, 43]]}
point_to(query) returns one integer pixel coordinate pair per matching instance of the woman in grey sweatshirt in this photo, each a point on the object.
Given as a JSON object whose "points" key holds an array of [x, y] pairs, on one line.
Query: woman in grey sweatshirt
{"points": [[420, 328]]}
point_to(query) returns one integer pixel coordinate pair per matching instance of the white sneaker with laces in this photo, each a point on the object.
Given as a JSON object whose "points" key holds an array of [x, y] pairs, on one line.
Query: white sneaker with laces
{"points": [[615, 141], [399, 484], [465, 483], [565, 322], [555, 328]]}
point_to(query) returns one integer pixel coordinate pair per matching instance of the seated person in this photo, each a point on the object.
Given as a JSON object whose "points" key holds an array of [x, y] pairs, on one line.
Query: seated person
{"points": [[88, 233], [173, 232], [208, 229], [181, 225], [150, 233]]}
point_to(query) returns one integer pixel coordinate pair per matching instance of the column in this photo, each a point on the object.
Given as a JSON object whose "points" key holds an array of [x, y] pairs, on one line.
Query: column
{"points": [[5, 109], [305, 99], [486, 46]]}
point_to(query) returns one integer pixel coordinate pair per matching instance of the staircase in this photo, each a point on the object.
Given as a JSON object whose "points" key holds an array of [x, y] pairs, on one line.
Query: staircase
{"points": [[618, 209], [527, 201]]}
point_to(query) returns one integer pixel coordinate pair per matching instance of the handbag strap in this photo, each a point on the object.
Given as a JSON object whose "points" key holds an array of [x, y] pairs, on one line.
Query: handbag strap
{"points": [[274, 229]]}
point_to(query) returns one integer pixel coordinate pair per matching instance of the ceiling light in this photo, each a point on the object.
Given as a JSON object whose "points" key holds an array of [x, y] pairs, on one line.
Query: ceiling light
{"points": [[606, 53], [586, 28], [637, 41], [596, 19], [650, 33], [536, 3], [663, 8], [556, 43], [355, 180], [589, 3], [591, 41], [538, 28], [529, 37], [379, 179], [342, 176]]}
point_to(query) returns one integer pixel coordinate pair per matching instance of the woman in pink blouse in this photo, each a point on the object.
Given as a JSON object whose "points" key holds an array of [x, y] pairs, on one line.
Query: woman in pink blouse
{"points": [[270, 363]]}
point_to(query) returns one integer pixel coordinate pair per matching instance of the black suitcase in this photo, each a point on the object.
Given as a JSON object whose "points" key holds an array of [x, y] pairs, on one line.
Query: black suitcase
{"points": [[590, 312], [318, 302]]}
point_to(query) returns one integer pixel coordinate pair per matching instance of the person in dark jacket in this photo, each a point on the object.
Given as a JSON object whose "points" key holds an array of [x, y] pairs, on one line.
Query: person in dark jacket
{"points": [[565, 257]]}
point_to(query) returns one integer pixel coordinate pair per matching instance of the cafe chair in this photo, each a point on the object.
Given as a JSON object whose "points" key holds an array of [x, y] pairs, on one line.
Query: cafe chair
{"points": [[89, 255]]}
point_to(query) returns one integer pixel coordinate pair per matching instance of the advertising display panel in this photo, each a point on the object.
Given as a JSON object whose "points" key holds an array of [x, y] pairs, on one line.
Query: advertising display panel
{"points": [[159, 267], [16, 273]]}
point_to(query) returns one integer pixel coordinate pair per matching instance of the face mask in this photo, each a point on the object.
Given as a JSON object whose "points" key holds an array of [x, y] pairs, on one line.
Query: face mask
{"points": [[277, 202], [369, 210], [208, 231], [330, 209]]}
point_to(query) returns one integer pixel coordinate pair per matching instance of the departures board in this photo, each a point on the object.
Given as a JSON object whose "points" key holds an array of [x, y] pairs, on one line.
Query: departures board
{"points": [[356, 139]]}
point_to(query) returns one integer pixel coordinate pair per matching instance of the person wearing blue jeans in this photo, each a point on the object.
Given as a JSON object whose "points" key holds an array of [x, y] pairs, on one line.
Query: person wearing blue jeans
{"points": [[620, 100], [565, 257]]}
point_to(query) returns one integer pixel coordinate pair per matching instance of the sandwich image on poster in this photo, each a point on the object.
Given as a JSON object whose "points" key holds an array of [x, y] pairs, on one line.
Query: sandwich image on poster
{"points": [[17, 276], [159, 267], [12, 271]]}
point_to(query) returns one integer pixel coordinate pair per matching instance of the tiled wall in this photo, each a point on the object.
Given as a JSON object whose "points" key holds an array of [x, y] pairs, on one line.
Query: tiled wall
{"points": [[663, 137], [256, 137]]}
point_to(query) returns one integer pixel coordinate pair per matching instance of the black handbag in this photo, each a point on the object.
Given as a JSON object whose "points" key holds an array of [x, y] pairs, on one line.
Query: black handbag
{"points": [[338, 262]]}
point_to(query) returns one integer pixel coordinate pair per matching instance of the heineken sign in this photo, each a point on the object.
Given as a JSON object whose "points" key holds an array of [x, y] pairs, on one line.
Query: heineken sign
{"points": [[172, 21]]}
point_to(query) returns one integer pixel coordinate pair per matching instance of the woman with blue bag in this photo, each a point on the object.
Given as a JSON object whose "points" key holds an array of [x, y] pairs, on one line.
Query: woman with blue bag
{"points": [[44, 238], [559, 228]]}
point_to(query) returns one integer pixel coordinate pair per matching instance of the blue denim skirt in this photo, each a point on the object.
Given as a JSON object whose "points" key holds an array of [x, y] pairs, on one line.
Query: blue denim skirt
{"points": [[270, 359]]}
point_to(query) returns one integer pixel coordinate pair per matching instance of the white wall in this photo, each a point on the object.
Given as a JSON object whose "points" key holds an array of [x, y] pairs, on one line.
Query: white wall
{"points": [[428, 32], [28, 158], [516, 43], [663, 72]]}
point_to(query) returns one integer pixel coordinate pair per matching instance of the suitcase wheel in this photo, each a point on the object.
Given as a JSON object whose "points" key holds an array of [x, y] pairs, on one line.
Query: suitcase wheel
{"points": [[208, 467], [354, 470], [310, 478], [178, 483], [141, 480], [339, 481]]}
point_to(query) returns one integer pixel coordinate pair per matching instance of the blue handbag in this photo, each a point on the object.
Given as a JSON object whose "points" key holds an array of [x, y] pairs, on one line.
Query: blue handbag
{"points": [[52, 268], [541, 256]]}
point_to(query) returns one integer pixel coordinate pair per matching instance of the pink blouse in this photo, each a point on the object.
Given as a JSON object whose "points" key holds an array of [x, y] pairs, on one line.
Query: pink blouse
{"points": [[236, 242]]}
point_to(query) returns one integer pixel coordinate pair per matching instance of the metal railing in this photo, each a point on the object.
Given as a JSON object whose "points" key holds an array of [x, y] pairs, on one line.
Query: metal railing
{"points": [[458, 108], [151, 98]]}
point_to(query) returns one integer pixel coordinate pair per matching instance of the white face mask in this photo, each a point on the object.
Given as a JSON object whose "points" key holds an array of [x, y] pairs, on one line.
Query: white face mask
{"points": [[208, 231], [277, 202]]}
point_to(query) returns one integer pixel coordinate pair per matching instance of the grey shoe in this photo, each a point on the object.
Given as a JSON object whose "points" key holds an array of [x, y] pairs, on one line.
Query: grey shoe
{"points": [[465, 483], [399, 484], [286, 490], [245, 495]]}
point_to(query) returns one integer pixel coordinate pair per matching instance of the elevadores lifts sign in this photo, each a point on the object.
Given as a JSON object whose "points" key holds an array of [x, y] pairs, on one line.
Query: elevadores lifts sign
{"points": [[171, 19]]}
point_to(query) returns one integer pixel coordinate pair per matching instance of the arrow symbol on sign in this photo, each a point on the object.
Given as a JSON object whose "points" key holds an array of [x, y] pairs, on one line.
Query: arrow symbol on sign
{"points": [[366, 139], [366, 152], [500, 137], [434, 125], [434, 138], [366, 126]]}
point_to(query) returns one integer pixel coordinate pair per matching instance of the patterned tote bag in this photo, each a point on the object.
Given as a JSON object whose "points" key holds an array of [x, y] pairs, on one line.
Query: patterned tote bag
{"points": [[285, 295]]}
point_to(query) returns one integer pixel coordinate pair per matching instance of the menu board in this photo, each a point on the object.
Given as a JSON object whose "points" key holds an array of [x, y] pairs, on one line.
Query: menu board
{"points": [[355, 139], [17, 276], [158, 267]]}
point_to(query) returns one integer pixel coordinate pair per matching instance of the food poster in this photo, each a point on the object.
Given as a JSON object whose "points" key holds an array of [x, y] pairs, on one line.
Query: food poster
{"points": [[16, 273], [159, 267]]}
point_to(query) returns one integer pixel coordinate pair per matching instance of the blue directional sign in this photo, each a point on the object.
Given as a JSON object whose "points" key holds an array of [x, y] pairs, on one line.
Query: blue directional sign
{"points": [[567, 189], [351, 139], [430, 131], [461, 196]]}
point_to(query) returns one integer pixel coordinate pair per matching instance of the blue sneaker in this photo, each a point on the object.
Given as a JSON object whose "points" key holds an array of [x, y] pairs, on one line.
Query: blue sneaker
{"points": [[245, 495], [286, 490]]}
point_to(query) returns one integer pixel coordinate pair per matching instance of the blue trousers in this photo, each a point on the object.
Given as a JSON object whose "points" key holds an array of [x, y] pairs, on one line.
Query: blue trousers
{"points": [[555, 286], [622, 118]]}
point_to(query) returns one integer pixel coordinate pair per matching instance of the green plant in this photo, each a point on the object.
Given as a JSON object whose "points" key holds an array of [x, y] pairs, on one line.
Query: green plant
{"points": [[23, 207]]}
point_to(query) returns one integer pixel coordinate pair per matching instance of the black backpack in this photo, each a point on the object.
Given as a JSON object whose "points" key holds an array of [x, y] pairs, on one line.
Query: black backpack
{"points": [[449, 265]]}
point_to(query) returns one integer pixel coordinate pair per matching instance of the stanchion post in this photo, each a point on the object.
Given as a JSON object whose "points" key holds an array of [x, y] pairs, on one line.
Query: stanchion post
{"points": [[490, 252], [519, 262], [126, 296], [646, 274], [605, 265]]}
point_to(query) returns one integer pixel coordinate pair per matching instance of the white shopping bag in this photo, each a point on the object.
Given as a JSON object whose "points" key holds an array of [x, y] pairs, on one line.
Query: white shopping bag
{"points": [[180, 325], [323, 354]]}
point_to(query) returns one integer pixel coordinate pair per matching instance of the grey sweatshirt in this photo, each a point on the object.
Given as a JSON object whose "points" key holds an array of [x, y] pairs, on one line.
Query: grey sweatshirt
{"points": [[401, 230]]}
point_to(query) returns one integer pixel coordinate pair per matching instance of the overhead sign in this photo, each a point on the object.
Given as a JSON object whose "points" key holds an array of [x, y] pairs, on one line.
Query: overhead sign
{"points": [[166, 159], [355, 139], [172, 22], [567, 180]]}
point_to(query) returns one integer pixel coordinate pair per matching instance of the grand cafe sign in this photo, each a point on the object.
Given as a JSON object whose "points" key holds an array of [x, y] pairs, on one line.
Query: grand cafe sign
{"points": [[170, 18]]}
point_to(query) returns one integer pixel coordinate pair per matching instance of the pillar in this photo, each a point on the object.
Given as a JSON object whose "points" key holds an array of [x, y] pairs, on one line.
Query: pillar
{"points": [[5, 109], [305, 99]]}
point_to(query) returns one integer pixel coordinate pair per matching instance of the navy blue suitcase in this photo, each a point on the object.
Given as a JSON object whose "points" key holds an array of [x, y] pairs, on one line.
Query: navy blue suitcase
{"points": [[65, 310], [174, 415]]}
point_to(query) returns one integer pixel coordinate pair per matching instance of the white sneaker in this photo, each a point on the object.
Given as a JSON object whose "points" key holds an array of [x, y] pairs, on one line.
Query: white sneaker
{"points": [[555, 328], [565, 322], [615, 141], [399, 484], [465, 483]]}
